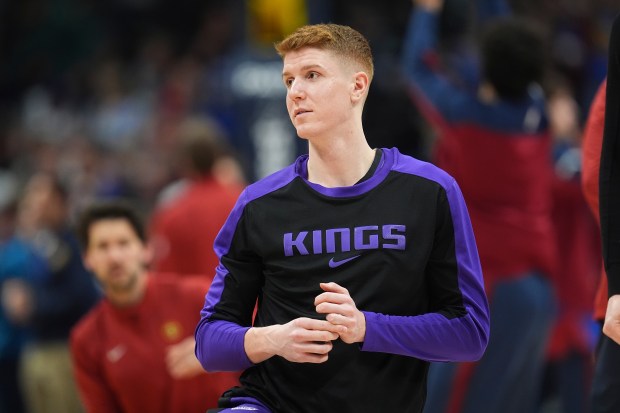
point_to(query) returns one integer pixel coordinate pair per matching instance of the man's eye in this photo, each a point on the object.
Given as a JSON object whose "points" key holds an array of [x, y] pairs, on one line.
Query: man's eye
{"points": [[288, 82], [313, 75]]}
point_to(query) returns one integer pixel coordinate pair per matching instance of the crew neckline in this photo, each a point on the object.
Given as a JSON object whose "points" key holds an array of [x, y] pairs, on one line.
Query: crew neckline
{"points": [[376, 174]]}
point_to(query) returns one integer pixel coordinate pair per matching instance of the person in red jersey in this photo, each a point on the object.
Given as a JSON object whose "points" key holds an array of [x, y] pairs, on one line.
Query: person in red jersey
{"points": [[134, 352], [600, 158], [605, 380], [591, 162], [192, 211], [609, 180]]}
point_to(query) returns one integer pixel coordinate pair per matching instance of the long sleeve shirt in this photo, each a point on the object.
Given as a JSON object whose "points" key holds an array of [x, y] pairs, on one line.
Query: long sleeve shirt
{"points": [[401, 242]]}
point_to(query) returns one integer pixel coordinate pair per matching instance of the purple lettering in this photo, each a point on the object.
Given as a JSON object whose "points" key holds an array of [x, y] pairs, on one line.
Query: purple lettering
{"points": [[373, 239], [389, 235], [345, 240], [298, 242], [317, 242], [335, 240]]}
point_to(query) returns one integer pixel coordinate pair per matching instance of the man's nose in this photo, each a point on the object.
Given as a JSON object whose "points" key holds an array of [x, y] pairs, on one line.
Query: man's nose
{"points": [[297, 90], [115, 253]]}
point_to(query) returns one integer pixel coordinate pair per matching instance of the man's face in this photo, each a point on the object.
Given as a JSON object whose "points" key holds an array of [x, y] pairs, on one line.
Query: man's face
{"points": [[115, 254], [41, 206], [319, 87]]}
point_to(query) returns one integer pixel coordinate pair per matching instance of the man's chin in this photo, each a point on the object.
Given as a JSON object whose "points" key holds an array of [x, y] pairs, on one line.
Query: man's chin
{"points": [[301, 133], [120, 282]]}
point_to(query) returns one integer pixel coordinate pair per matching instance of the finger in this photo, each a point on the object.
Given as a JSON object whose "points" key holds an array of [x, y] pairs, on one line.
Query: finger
{"points": [[330, 297], [181, 350], [326, 308], [317, 325], [338, 319], [173, 357], [318, 335], [188, 367], [181, 370], [333, 287], [312, 358], [316, 347], [328, 332], [174, 368], [176, 351]]}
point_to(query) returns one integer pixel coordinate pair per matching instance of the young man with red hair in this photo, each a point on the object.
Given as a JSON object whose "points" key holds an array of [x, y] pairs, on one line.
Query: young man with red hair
{"points": [[362, 261]]}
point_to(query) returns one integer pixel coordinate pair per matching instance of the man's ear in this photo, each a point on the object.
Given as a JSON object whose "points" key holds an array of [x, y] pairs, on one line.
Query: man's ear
{"points": [[86, 261], [148, 253], [360, 87]]}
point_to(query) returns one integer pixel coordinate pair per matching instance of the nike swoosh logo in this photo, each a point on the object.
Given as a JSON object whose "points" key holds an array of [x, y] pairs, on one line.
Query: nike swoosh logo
{"points": [[116, 353], [334, 264]]}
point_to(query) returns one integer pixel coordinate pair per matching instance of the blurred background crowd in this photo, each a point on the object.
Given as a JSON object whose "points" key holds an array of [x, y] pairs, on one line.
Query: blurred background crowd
{"points": [[94, 96], [86, 86]]}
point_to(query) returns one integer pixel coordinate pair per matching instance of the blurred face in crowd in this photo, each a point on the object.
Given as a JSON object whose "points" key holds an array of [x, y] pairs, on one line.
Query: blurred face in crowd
{"points": [[117, 257], [41, 205], [322, 89]]}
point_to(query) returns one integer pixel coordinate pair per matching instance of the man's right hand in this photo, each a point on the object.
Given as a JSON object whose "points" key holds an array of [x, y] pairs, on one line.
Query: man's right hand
{"points": [[303, 340]]}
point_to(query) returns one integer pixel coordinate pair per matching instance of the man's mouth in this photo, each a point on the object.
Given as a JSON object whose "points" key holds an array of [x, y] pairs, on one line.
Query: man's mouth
{"points": [[300, 112]]}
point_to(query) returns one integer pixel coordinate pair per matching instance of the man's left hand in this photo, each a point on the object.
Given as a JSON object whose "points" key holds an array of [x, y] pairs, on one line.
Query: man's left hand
{"points": [[340, 308], [181, 360]]}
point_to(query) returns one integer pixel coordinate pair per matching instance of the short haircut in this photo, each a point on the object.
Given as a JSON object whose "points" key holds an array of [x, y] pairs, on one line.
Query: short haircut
{"points": [[342, 40], [201, 143], [514, 56], [103, 210]]}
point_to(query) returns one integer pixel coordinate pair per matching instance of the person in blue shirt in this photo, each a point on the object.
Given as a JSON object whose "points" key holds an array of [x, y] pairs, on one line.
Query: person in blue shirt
{"points": [[49, 305], [18, 263]]}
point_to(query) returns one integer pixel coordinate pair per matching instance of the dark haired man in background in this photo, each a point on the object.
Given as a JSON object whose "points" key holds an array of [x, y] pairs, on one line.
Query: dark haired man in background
{"points": [[134, 352]]}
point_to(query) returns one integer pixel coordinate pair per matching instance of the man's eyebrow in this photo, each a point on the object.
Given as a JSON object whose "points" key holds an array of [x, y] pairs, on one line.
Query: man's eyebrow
{"points": [[304, 69]]}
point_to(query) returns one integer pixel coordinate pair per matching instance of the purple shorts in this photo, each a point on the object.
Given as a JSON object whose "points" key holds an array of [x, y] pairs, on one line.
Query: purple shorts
{"points": [[242, 404]]}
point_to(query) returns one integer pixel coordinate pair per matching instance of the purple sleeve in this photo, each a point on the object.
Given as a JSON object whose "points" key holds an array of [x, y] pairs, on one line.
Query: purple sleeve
{"points": [[230, 301], [224, 350], [433, 336], [220, 343]]}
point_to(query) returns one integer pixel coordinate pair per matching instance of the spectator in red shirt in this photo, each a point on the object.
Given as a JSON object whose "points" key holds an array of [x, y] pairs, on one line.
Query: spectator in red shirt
{"points": [[600, 159], [609, 195], [192, 210], [134, 352], [591, 162]]}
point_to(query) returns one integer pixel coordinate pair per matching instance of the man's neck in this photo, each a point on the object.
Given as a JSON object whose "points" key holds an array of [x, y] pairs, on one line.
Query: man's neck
{"points": [[340, 162]]}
